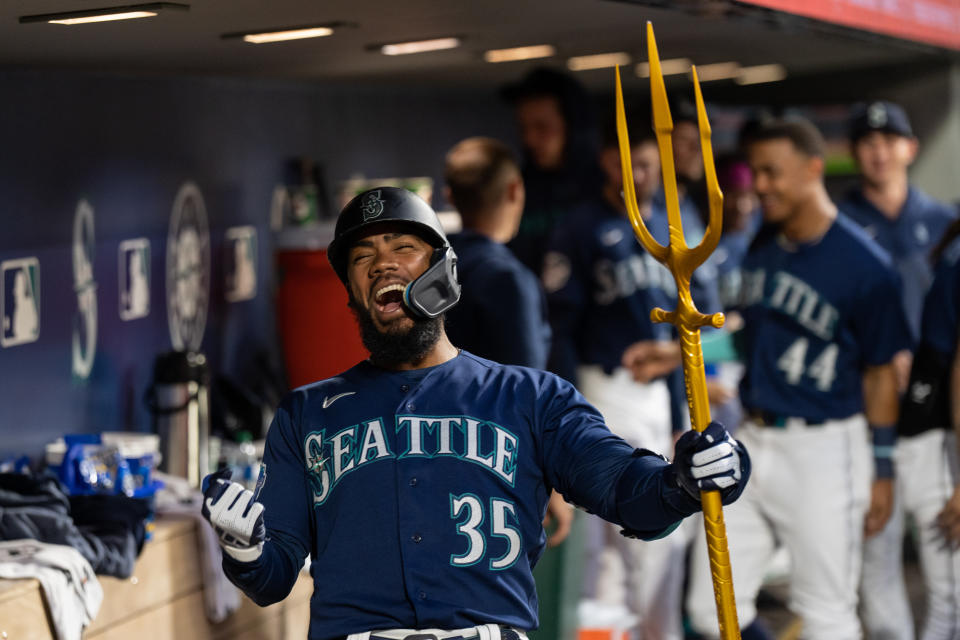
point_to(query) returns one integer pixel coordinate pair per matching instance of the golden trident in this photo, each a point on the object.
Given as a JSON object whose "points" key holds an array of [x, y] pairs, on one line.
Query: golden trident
{"points": [[682, 260]]}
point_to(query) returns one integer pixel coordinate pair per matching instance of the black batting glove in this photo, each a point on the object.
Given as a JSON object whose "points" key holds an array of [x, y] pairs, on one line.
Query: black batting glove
{"points": [[711, 460]]}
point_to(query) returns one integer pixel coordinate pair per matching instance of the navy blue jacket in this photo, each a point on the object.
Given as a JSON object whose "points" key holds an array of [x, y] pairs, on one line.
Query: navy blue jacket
{"points": [[502, 313]]}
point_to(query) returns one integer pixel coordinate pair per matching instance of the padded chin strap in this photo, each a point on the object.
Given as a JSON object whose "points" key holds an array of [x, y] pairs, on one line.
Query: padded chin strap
{"points": [[437, 289]]}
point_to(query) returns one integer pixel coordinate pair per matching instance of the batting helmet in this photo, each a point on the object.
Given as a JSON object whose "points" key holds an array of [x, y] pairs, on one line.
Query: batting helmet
{"points": [[437, 289]]}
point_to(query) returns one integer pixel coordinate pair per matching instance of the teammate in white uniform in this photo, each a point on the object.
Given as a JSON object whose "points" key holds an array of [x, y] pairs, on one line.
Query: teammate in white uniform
{"points": [[928, 448], [907, 223], [822, 322], [601, 285]]}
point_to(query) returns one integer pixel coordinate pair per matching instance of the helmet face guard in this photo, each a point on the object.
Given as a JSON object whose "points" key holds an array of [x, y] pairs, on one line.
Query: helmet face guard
{"points": [[435, 290]]}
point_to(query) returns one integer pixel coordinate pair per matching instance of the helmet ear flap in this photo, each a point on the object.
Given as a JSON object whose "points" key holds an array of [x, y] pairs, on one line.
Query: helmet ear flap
{"points": [[437, 289]]}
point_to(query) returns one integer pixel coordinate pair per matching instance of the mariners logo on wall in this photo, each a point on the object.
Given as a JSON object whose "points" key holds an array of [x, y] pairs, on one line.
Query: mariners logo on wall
{"points": [[134, 278], [240, 263], [188, 269], [20, 301], [84, 343], [372, 205]]}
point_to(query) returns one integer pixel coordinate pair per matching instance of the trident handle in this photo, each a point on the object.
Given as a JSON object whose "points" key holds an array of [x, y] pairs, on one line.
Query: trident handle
{"points": [[682, 260]]}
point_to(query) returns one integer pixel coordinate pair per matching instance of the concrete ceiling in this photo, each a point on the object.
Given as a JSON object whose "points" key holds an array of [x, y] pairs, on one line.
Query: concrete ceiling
{"points": [[190, 42]]}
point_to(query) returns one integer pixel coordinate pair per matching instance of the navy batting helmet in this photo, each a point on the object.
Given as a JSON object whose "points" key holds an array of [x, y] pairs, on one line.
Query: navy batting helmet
{"points": [[437, 289]]}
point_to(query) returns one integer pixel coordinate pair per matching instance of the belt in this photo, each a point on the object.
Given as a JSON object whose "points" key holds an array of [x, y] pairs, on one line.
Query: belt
{"points": [[482, 632], [771, 419]]}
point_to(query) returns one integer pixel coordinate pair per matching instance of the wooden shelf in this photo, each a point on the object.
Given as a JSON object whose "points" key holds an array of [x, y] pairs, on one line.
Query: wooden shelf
{"points": [[162, 600]]}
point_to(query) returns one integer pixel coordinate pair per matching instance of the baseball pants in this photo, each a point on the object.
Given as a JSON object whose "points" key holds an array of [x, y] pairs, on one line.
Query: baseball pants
{"points": [[481, 632], [649, 579], [809, 491], [926, 475]]}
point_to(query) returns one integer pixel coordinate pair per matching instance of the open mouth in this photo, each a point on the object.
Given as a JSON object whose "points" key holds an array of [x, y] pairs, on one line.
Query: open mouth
{"points": [[389, 299]]}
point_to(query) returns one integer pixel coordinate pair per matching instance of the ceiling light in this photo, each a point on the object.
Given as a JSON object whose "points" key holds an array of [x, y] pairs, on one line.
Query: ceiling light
{"points": [[290, 34], [419, 46], [520, 53], [671, 67], [718, 71], [598, 61], [281, 34], [105, 14], [761, 73], [130, 15]]}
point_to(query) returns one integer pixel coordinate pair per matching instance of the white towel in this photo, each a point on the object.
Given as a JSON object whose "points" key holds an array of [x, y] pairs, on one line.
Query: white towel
{"points": [[72, 591]]}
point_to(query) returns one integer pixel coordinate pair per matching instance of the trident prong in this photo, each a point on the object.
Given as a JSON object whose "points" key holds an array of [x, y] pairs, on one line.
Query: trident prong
{"points": [[682, 260]]}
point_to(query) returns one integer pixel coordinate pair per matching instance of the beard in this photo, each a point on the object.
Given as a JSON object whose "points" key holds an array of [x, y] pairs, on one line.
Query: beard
{"points": [[397, 346]]}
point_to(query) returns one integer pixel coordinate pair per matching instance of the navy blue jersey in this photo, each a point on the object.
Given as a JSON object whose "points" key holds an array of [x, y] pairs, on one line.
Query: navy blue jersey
{"points": [[941, 311], [908, 238], [814, 316], [502, 313], [601, 285], [419, 495]]}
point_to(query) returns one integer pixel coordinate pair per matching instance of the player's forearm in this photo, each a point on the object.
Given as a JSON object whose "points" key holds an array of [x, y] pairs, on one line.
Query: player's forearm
{"points": [[268, 579], [881, 406], [646, 504], [880, 398]]}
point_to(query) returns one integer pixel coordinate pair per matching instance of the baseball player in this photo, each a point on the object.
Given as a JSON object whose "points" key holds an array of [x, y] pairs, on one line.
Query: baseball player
{"points": [[485, 186], [907, 223], [555, 122], [601, 285], [928, 447], [417, 480], [822, 322]]}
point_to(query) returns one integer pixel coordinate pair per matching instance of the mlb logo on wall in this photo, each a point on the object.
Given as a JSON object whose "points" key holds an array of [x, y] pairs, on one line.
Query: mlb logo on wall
{"points": [[134, 274], [240, 263], [20, 301]]}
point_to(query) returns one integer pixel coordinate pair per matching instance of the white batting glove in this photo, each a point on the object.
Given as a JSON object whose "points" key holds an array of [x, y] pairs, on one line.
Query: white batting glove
{"points": [[235, 516], [711, 460]]}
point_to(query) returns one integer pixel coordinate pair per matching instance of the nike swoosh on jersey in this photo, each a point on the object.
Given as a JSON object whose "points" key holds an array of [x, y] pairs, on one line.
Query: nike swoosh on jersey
{"points": [[329, 400]]}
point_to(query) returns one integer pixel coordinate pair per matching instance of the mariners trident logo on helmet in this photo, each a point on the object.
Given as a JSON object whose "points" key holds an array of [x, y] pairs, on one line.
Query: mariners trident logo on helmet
{"points": [[372, 205]]}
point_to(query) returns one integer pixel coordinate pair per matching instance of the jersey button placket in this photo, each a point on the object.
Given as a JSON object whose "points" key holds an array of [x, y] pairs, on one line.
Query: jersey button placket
{"points": [[416, 538]]}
